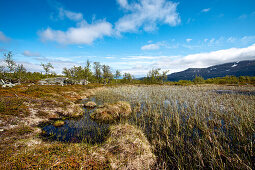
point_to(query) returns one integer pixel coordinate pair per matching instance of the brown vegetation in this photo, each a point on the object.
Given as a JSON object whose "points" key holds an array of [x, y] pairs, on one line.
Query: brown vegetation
{"points": [[112, 112], [90, 104], [128, 148]]}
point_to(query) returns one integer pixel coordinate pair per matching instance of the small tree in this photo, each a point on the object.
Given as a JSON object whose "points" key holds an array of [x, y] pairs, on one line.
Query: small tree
{"points": [[198, 80], [107, 74], [66, 72], [10, 62], [21, 71], [87, 72], [117, 75], [98, 73], [127, 78], [47, 67], [164, 76]]}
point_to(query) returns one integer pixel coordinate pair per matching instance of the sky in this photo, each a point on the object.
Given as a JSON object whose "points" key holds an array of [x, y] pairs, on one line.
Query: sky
{"points": [[129, 35]]}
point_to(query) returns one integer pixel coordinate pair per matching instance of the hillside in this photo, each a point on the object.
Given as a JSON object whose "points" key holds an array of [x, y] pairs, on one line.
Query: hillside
{"points": [[241, 68]]}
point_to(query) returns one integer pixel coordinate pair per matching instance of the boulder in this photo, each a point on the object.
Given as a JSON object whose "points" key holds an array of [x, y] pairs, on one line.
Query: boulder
{"points": [[62, 81]]}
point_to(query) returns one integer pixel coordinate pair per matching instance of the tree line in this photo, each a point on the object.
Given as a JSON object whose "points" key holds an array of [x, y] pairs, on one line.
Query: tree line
{"points": [[95, 72]]}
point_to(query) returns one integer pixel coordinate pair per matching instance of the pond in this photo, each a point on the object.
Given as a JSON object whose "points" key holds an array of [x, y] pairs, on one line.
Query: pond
{"points": [[235, 92], [82, 129]]}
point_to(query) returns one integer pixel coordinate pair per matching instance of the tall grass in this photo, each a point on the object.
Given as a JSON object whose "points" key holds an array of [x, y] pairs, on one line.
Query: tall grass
{"points": [[193, 127]]}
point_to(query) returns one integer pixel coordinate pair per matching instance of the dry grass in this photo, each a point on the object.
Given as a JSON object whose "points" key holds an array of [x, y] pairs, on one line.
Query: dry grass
{"points": [[185, 127], [128, 148], [112, 112], [193, 127], [90, 104]]}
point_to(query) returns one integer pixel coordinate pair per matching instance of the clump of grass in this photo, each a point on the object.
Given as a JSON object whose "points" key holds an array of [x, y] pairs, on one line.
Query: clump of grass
{"points": [[59, 123], [90, 104], [128, 148], [112, 112]]}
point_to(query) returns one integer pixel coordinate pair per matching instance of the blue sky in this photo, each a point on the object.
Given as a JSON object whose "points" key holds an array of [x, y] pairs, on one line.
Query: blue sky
{"points": [[130, 35]]}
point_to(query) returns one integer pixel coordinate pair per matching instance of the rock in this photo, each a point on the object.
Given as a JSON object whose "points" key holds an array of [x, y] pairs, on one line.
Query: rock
{"points": [[2, 82], [112, 112], [90, 104], [53, 81], [8, 85], [62, 81], [59, 123]]}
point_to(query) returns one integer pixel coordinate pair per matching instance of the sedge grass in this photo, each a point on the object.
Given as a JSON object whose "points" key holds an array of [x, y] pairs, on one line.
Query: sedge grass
{"points": [[193, 127]]}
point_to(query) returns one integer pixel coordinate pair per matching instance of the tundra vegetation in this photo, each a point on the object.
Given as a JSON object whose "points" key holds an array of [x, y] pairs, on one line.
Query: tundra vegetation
{"points": [[152, 123]]}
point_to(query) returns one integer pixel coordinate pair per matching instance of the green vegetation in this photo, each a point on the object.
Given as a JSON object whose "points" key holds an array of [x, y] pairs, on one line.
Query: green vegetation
{"points": [[47, 67], [59, 123]]}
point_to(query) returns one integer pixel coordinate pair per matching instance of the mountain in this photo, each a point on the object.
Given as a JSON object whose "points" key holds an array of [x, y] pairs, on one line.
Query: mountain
{"points": [[240, 68]]}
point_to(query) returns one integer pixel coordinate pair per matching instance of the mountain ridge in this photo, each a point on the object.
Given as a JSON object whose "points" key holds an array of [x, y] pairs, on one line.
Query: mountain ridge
{"points": [[239, 68]]}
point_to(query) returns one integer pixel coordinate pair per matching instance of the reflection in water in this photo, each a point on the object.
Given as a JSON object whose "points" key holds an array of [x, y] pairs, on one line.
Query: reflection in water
{"points": [[77, 130]]}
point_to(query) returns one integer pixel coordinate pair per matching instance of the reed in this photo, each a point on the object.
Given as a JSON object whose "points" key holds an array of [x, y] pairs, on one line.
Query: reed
{"points": [[193, 127]]}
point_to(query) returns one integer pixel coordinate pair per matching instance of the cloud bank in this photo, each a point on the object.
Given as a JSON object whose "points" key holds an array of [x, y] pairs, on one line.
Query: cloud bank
{"points": [[140, 65]]}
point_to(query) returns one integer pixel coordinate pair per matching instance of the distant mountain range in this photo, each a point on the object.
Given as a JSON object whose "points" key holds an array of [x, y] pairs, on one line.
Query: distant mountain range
{"points": [[241, 68]]}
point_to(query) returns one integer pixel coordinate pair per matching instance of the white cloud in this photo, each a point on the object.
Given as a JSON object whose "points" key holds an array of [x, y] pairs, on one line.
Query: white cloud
{"points": [[4, 38], [206, 10], [146, 15], [70, 15], [188, 40], [140, 65], [83, 34], [209, 59], [31, 54], [150, 47]]}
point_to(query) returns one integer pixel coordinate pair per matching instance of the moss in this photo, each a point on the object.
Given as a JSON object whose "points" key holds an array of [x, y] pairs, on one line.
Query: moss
{"points": [[20, 130], [56, 156], [59, 123]]}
